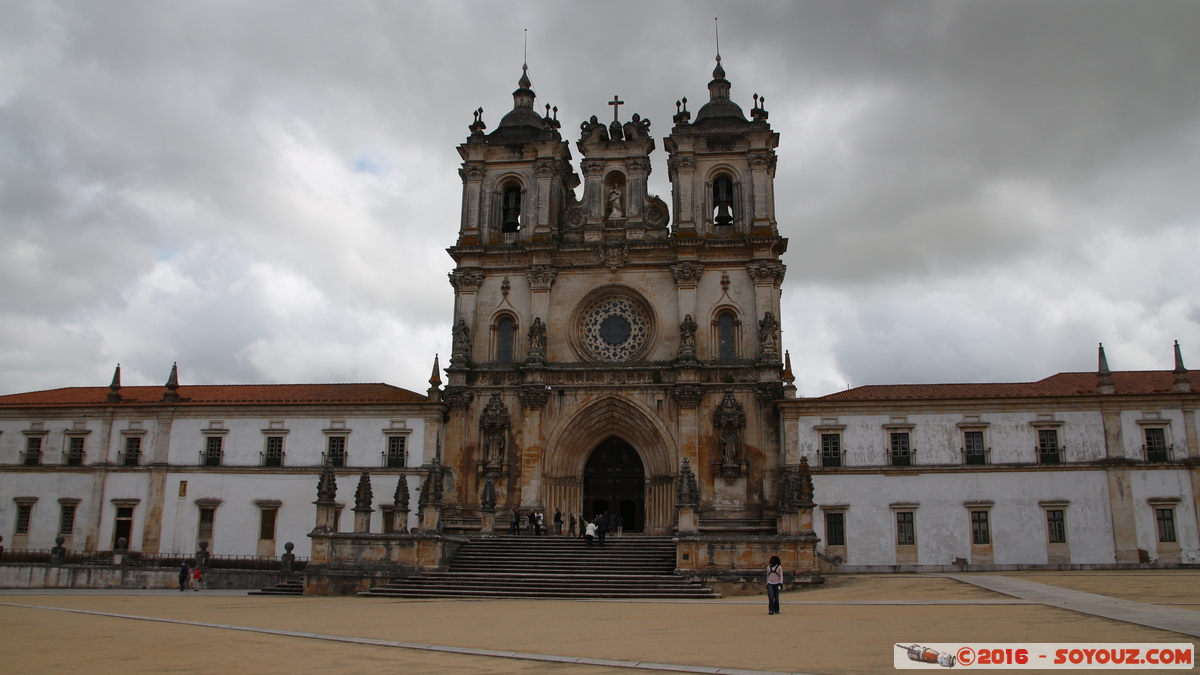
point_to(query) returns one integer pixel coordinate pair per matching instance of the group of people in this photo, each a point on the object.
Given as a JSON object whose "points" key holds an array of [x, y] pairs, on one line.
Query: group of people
{"points": [[533, 522], [600, 526], [190, 575]]}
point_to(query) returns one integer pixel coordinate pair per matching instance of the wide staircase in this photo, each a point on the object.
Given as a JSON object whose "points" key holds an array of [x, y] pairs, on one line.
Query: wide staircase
{"points": [[554, 567]]}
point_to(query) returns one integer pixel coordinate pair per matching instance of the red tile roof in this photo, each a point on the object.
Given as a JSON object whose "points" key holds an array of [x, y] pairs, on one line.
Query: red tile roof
{"points": [[1062, 384], [278, 394]]}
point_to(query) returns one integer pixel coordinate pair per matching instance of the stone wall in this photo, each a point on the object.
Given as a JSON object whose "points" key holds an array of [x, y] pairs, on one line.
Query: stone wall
{"points": [[32, 575]]}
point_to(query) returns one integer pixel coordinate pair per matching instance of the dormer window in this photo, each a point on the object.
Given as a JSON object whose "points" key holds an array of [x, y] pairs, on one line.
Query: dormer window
{"points": [[723, 201], [511, 209]]}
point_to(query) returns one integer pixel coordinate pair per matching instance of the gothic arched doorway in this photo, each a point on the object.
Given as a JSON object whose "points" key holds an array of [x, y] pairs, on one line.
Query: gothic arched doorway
{"points": [[614, 481]]}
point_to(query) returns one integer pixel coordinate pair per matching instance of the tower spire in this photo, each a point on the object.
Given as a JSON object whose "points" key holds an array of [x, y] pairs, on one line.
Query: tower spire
{"points": [[718, 72], [435, 381], [1182, 383], [114, 394]]}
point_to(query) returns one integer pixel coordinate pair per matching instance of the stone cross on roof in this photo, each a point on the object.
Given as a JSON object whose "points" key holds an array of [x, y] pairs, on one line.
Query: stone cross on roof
{"points": [[616, 103]]}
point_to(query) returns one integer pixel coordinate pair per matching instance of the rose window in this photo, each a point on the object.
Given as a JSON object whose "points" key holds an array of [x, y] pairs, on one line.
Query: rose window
{"points": [[614, 329]]}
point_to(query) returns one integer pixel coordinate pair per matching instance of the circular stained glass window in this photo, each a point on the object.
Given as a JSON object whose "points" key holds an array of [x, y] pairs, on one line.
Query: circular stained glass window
{"points": [[614, 329]]}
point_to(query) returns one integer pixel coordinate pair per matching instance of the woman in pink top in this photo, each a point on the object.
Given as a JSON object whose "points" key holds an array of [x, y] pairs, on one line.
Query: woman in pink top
{"points": [[774, 583]]}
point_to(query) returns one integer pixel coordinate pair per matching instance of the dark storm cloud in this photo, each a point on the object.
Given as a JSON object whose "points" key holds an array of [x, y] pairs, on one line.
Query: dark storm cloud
{"points": [[263, 190]]}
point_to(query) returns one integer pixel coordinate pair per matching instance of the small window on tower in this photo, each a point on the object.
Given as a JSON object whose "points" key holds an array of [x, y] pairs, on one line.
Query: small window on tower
{"points": [[511, 209], [504, 340], [723, 201]]}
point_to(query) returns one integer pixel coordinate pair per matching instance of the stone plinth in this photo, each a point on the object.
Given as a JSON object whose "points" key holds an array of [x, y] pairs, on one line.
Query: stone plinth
{"points": [[735, 565], [356, 561]]}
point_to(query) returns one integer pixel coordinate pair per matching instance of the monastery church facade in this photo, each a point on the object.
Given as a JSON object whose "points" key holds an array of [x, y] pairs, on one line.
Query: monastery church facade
{"points": [[618, 352]]}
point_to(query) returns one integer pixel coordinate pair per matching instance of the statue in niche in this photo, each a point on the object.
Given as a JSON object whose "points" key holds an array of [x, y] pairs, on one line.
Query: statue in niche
{"points": [[687, 339], [494, 446], [462, 342], [731, 447], [768, 337], [614, 202], [537, 341]]}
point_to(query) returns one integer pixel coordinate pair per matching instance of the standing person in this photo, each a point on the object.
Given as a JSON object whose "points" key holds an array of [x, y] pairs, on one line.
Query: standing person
{"points": [[601, 527], [537, 524], [197, 579], [774, 583], [620, 526], [184, 574], [571, 526], [530, 521], [557, 522], [590, 533], [582, 522]]}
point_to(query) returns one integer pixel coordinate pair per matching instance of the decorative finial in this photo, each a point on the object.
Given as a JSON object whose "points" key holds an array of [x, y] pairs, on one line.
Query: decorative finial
{"points": [[718, 72], [1182, 383], [787, 367], [1105, 383], [114, 394], [172, 392]]}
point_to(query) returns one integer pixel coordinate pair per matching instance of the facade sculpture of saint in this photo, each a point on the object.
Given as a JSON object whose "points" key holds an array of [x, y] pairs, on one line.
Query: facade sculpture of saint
{"points": [[494, 447], [537, 341], [687, 339], [614, 202], [731, 447], [461, 346]]}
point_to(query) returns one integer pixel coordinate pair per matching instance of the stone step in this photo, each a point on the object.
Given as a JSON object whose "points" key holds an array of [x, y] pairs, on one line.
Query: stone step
{"points": [[290, 587]]}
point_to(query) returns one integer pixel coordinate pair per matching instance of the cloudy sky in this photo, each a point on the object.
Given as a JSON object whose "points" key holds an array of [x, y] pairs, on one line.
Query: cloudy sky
{"points": [[263, 191]]}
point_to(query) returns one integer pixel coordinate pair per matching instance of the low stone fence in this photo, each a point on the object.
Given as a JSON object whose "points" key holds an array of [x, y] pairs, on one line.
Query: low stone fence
{"points": [[39, 568]]}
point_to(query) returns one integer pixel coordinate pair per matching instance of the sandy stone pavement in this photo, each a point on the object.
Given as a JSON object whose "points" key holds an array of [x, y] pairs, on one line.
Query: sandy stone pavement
{"points": [[828, 631]]}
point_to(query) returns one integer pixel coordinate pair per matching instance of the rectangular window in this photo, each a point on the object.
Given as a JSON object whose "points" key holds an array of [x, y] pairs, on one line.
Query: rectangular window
{"points": [[212, 451], [75, 451], [835, 529], [1156, 445], [831, 449], [266, 524], [1048, 449], [973, 448], [980, 534], [1056, 526], [24, 514], [389, 520], [726, 337], [901, 451], [123, 527], [337, 451], [395, 452], [207, 516], [33, 451], [1166, 524], [274, 455], [66, 520], [906, 534], [133, 451]]}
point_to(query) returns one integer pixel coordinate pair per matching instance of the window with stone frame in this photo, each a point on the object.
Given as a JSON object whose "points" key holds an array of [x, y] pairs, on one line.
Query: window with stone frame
{"points": [[726, 336], [1165, 518], [273, 454], [133, 451], [1049, 451], [208, 517], [1056, 526], [1156, 445], [75, 447], [266, 522], [906, 532], [981, 534], [901, 450], [973, 450], [506, 330], [66, 519], [336, 455], [835, 529], [33, 451], [397, 456], [831, 450], [213, 450], [24, 517]]}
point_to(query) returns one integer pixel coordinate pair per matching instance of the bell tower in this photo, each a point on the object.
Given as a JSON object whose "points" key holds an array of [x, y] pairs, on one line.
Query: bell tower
{"points": [[722, 167]]}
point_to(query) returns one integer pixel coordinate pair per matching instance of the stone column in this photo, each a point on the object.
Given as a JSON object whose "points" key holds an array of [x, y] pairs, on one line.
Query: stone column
{"points": [[472, 174], [1120, 504], [533, 399]]}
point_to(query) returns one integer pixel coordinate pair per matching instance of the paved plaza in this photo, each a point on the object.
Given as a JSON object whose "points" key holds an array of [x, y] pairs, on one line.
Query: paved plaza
{"points": [[848, 626]]}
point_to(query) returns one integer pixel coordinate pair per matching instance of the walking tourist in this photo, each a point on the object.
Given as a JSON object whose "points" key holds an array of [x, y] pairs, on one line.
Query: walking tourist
{"points": [[571, 525], [538, 522], [582, 522], [197, 580], [601, 527], [530, 521], [184, 574], [557, 522], [515, 526], [620, 526], [774, 583], [590, 533]]}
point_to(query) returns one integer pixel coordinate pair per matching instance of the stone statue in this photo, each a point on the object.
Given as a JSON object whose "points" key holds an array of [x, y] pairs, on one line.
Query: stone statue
{"points": [[731, 447], [687, 339], [768, 338], [614, 202], [537, 342], [461, 352], [494, 446], [487, 500]]}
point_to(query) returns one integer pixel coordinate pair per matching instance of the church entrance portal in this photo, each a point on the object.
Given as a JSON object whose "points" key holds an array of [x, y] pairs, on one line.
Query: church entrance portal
{"points": [[614, 481]]}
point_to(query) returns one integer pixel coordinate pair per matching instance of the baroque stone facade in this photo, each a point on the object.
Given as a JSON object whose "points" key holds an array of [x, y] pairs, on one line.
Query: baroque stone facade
{"points": [[610, 335]]}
